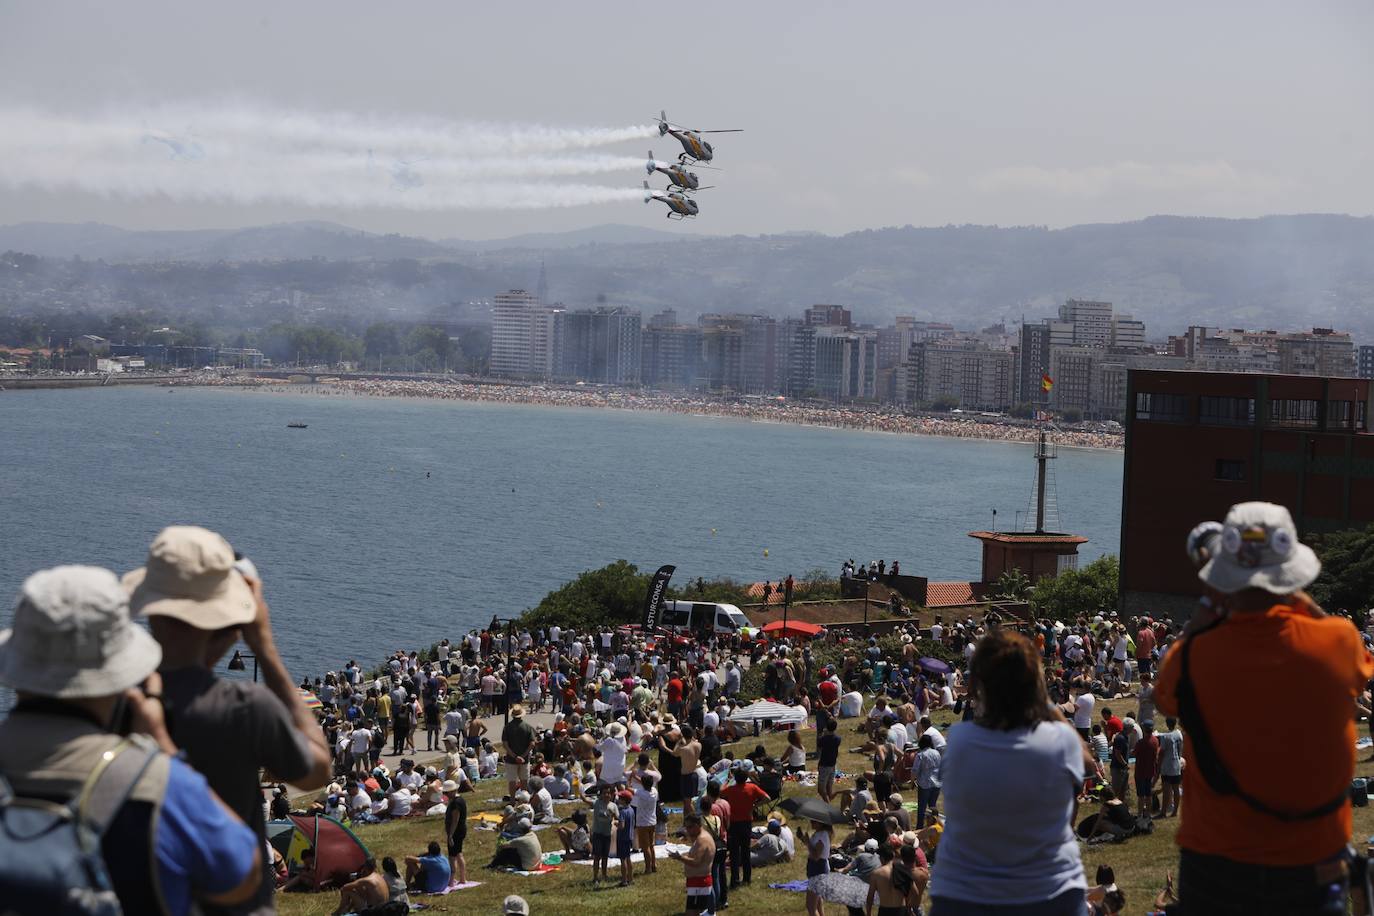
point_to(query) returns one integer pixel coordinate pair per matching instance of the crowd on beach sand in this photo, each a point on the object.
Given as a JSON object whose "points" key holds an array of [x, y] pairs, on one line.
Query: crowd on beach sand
{"points": [[651, 752], [963, 426]]}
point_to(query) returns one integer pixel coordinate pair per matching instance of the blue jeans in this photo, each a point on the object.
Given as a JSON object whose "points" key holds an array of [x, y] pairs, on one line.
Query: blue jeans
{"points": [[1069, 903], [925, 800]]}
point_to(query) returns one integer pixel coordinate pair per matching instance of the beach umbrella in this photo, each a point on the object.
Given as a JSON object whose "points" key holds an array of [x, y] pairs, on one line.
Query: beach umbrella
{"points": [[768, 710], [813, 809], [311, 701], [846, 890], [935, 666]]}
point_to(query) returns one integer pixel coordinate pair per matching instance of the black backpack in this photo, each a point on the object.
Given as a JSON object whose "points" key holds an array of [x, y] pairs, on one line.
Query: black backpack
{"points": [[50, 854], [1214, 771]]}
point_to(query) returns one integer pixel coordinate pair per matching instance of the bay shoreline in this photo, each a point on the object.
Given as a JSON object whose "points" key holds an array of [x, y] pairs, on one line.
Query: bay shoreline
{"points": [[760, 411]]}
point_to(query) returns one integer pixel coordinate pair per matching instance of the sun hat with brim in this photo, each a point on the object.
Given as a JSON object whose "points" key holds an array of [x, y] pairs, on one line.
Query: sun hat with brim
{"points": [[190, 576], [73, 637], [1259, 548]]}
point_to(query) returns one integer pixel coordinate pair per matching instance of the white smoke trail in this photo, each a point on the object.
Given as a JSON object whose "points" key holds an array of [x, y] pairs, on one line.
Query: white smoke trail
{"points": [[238, 154]]}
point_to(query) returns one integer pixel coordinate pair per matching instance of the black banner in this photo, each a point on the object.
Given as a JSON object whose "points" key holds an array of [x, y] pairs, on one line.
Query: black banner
{"points": [[654, 600]]}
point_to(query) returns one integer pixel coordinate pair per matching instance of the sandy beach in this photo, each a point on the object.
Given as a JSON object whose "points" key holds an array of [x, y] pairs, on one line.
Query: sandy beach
{"points": [[961, 426]]}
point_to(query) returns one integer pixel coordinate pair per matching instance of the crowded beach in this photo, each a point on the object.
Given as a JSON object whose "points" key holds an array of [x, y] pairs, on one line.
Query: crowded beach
{"points": [[762, 410]]}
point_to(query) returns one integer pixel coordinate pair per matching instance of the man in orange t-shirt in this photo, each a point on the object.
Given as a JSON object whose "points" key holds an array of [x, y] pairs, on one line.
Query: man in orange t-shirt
{"points": [[1274, 681]]}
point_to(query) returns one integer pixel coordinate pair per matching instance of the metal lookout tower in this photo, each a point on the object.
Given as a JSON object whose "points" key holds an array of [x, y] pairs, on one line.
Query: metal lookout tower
{"points": [[1044, 504]]}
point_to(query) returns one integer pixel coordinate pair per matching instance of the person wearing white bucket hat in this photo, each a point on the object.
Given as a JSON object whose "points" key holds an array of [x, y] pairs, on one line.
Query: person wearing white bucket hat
{"points": [[87, 731], [200, 602], [1255, 836]]}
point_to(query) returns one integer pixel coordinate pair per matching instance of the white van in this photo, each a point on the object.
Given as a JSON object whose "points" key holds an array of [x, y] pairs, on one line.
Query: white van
{"points": [[695, 616]]}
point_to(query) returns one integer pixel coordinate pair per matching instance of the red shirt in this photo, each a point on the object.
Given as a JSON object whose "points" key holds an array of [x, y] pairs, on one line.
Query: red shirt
{"points": [[741, 796], [1144, 642], [828, 691], [1111, 726], [1146, 758], [675, 690]]}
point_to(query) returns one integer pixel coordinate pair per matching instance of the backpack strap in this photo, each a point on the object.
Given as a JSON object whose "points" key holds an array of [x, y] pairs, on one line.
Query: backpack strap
{"points": [[112, 782], [1218, 778]]}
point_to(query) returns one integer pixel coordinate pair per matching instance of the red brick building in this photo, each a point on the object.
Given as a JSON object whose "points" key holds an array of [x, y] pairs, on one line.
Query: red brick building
{"points": [[1198, 442]]}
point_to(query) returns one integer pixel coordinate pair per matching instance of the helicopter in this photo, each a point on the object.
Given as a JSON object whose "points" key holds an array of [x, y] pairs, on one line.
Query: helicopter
{"points": [[693, 147], [677, 174], [680, 206]]}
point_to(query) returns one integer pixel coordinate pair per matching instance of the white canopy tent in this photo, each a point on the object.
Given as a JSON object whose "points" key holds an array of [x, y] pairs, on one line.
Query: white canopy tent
{"points": [[768, 710]]}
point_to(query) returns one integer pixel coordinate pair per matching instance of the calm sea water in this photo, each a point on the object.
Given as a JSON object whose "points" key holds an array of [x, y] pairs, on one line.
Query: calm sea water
{"points": [[392, 523]]}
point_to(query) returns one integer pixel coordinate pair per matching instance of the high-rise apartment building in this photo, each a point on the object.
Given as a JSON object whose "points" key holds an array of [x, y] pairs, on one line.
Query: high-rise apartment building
{"points": [[797, 357], [1032, 364], [846, 364], [601, 345], [1092, 322], [672, 356], [760, 366], [1074, 370], [967, 370], [1127, 333], [832, 316], [524, 335], [1365, 362], [722, 352], [1322, 352]]}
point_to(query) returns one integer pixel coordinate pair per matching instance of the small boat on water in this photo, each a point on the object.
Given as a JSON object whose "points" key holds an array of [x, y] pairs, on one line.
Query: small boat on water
{"points": [[296, 425]]}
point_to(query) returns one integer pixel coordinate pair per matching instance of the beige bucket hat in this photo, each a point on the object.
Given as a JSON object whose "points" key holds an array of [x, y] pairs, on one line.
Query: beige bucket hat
{"points": [[190, 576], [73, 637]]}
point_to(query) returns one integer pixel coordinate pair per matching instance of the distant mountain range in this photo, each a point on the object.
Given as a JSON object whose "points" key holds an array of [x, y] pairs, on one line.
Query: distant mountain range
{"points": [[1276, 271]]}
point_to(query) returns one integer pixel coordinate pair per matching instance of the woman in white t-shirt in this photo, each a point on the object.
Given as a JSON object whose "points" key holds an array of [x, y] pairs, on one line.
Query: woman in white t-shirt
{"points": [[613, 750], [1010, 784]]}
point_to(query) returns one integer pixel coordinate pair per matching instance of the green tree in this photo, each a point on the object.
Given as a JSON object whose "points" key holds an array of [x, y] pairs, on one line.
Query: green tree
{"points": [[1012, 585], [1078, 592], [1071, 415], [1347, 578], [1023, 411], [381, 339], [432, 339], [613, 594]]}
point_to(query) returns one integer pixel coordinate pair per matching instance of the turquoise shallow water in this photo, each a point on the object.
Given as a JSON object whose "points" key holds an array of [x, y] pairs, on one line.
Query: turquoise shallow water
{"points": [[362, 553]]}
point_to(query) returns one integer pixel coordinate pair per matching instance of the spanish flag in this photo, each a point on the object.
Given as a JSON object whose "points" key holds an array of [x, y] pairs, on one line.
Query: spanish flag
{"points": [[1046, 383]]}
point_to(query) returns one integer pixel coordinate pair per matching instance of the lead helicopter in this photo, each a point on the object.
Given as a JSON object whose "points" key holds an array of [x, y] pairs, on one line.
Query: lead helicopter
{"points": [[677, 174], [693, 147], [680, 206]]}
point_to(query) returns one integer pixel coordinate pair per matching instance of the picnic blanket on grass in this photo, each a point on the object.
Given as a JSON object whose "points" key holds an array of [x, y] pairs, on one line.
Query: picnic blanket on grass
{"points": [[661, 851]]}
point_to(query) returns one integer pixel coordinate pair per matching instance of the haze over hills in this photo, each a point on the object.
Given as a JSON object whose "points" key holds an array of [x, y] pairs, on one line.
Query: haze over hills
{"points": [[1277, 271]]}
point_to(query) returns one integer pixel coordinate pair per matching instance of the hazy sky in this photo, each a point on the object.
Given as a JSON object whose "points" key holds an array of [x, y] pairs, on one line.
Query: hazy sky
{"points": [[858, 115]]}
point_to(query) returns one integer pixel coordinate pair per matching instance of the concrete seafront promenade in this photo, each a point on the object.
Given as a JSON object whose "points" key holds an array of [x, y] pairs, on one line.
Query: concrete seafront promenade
{"points": [[26, 382], [962, 426]]}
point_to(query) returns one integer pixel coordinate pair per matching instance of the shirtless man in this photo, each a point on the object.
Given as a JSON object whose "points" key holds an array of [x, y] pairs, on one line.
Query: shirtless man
{"points": [[474, 732], [688, 750], [696, 866], [895, 886], [368, 891]]}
